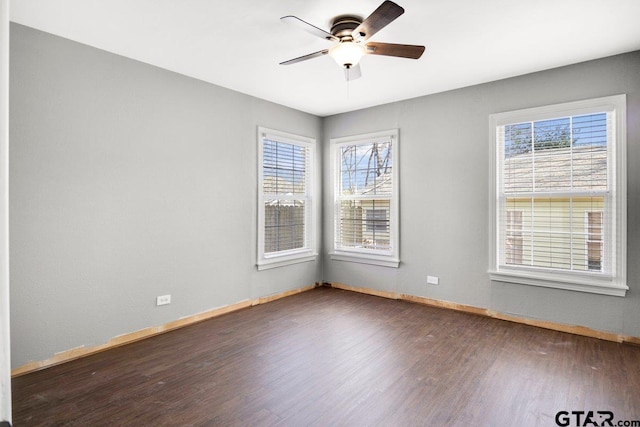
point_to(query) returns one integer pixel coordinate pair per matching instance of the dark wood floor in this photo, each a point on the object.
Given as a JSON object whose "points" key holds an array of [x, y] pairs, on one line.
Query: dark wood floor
{"points": [[330, 357]]}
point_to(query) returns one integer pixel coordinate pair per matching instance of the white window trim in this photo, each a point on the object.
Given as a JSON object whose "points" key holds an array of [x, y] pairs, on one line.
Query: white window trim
{"points": [[309, 252], [614, 284], [362, 255]]}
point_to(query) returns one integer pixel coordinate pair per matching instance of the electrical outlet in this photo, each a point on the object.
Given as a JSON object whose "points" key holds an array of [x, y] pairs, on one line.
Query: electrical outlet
{"points": [[163, 300], [433, 280]]}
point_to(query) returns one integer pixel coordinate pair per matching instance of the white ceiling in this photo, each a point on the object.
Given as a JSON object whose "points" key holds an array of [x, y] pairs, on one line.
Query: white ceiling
{"points": [[239, 43]]}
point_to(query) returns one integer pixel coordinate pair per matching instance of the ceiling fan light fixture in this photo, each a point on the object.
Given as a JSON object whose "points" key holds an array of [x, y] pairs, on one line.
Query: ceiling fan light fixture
{"points": [[350, 35], [347, 54]]}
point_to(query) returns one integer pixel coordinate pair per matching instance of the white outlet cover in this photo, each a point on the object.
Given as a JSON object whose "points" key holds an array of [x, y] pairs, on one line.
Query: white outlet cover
{"points": [[163, 300]]}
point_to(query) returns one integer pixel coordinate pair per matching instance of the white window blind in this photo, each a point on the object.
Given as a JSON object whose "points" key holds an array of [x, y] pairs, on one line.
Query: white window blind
{"points": [[366, 200], [285, 175], [285, 203], [554, 168]]}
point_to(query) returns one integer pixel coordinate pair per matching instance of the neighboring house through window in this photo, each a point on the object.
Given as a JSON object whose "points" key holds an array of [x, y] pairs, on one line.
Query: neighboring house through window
{"points": [[555, 168], [513, 239], [286, 224], [365, 189], [594, 240], [377, 220]]}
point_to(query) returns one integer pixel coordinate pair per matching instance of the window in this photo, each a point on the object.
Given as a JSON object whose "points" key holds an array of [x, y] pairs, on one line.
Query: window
{"points": [[365, 187], [559, 210], [286, 220]]}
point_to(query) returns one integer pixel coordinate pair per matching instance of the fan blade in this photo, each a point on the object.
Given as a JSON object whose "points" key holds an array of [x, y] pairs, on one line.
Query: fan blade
{"points": [[305, 57], [380, 18], [352, 73], [318, 32], [390, 49]]}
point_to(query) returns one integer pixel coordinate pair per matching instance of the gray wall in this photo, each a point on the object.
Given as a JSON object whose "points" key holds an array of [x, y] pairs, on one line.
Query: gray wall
{"points": [[444, 196], [127, 182]]}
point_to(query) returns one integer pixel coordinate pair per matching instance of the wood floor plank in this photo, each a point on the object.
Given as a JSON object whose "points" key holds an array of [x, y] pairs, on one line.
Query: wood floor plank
{"points": [[334, 357]]}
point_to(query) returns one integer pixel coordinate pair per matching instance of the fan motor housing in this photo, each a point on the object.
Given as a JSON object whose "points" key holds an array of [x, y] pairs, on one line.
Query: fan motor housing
{"points": [[344, 25]]}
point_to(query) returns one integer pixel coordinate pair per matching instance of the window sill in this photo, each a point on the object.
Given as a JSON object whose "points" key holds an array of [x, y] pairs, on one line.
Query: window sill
{"points": [[380, 260], [282, 261], [561, 281]]}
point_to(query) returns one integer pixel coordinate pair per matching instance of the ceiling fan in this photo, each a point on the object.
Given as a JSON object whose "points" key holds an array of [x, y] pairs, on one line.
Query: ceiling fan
{"points": [[350, 34]]}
